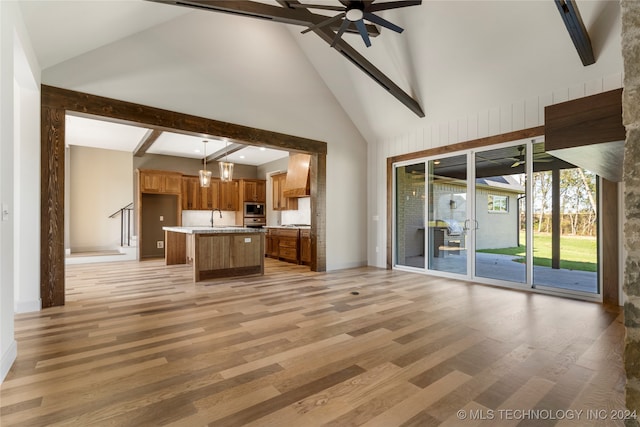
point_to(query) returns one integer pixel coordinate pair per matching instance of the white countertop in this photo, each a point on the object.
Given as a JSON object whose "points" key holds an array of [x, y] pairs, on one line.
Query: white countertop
{"points": [[212, 230]]}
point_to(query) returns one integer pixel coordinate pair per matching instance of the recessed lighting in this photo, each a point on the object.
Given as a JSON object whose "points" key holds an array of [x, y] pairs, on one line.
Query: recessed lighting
{"points": [[263, 149], [196, 151], [242, 157]]}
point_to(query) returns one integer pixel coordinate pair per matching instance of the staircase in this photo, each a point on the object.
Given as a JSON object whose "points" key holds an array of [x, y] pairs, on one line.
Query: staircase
{"points": [[127, 251]]}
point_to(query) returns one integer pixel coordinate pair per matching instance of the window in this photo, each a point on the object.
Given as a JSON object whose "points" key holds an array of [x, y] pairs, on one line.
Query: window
{"points": [[498, 204]]}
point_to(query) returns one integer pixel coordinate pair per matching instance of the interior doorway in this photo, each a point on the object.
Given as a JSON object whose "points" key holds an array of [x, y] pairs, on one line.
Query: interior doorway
{"points": [[157, 211]]}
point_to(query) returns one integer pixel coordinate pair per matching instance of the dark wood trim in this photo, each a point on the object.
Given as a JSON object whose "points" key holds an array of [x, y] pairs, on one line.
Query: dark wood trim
{"points": [[610, 247], [83, 104], [222, 153], [52, 162], [318, 179], [577, 31], [56, 102], [471, 144], [146, 142], [588, 132], [584, 121], [461, 146]]}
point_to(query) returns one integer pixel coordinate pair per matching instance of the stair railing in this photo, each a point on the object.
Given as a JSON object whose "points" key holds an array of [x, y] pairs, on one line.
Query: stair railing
{"points": [[126, 218]]}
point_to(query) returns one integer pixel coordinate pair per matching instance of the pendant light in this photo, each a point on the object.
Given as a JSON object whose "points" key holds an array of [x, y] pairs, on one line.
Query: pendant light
{"points": [[226, 167], [205, 175]]}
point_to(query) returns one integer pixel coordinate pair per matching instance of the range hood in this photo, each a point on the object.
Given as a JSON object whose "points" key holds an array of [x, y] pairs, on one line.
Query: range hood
{"points": [[297, 182]]}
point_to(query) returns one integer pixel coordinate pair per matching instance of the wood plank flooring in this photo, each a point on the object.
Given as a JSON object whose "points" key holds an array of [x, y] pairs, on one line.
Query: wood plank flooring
{"points": [[139, 344]]}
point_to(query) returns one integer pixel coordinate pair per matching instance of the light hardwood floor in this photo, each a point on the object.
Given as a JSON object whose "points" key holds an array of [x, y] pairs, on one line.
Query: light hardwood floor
{"points": [[139, 344]]}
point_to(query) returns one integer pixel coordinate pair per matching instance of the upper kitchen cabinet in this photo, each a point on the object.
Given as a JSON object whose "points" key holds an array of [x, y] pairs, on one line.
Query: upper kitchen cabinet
{"points": [[210, 196], [160, 182], [253, 190], [230, 196], [281, 203], [190, 192]]}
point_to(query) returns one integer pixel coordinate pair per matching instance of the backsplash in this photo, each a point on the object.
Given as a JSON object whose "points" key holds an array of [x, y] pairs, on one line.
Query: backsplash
{"points": [[203, 218], [301, 216]]}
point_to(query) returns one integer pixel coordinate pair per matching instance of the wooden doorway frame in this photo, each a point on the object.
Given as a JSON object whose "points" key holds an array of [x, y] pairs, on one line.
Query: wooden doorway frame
{"points": [[57, 102]]}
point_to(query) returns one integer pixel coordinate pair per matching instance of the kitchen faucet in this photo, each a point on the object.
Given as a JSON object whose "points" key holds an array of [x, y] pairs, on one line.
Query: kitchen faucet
{"points": [[212, 211]]}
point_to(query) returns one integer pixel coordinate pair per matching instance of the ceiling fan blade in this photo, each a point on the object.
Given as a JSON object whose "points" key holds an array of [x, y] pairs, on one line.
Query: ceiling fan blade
{"points": [[363, 32], [343, 28], [380, 21], [317, 6], [393, 5], [325, 22]]}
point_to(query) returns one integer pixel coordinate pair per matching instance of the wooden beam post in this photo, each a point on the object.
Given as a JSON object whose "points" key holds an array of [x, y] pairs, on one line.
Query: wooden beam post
{"points": [[52, 151]]}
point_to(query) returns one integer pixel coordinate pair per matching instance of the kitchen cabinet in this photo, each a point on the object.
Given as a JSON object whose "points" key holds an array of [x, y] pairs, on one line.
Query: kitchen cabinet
{"points": [[254, 190], [216, 252], [160, 182], [282, 243], [305, 246], [210, 196], [271, 244], [229, 195], [190, 192], [281, 203]]}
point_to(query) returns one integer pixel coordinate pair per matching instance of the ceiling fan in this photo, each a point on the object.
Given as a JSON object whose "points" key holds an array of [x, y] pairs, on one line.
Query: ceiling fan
{"points": [[520, 160], [541, 157], [356, 12]]}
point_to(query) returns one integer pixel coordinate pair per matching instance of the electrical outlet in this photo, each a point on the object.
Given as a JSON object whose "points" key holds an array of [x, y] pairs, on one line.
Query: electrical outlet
{"points": [[161, 218], [160, 244]]}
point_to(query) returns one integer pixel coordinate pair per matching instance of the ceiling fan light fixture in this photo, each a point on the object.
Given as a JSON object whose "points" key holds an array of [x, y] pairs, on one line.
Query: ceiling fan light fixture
{"points": [[354, 15], [205, 175]]}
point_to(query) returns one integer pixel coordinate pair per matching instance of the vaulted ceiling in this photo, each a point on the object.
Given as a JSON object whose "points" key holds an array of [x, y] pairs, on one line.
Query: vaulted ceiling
{"points": [[454, 57]]}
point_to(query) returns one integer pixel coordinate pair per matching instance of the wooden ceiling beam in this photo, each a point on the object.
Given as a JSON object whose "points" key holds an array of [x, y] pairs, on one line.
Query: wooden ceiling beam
{"points": [[304, 17], [579, 35], [367, 67], [146, 142], [222, 153], [252, 9]]}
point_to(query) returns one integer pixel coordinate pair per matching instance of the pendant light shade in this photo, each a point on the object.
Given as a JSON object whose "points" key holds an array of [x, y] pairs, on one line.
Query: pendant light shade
{"points": [[226, 168], [226, 171], [205, 175]]}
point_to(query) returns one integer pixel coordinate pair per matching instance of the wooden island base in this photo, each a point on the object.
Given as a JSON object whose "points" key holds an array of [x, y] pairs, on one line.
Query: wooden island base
{"points": [[216, 253]]}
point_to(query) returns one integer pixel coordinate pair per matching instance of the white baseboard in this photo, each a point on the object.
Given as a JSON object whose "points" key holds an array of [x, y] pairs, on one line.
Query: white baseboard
{"points": [[8, 358], [346, 265], [27, 306]]}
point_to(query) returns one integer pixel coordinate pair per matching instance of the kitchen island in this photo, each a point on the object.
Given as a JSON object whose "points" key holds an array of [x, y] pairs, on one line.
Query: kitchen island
{"points": [[216, 252]]}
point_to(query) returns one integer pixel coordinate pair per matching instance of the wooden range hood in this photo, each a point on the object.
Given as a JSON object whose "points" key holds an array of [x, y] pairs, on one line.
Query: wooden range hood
{"points": [[297, 182]]}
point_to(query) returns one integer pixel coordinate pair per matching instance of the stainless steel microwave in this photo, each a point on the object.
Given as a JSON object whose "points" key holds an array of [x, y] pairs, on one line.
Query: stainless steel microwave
{"points": [[252, 209]]}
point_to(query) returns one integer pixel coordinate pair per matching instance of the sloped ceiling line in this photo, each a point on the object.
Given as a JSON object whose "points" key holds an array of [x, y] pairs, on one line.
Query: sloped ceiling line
{"points": [[304, 17]]}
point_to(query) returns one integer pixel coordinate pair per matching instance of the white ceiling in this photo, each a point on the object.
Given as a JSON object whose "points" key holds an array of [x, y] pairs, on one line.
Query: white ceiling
{"points": [[455, 58], [88, 132]]}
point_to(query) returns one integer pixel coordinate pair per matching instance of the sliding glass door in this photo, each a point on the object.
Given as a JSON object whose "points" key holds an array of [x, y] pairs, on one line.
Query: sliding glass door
{"points": [[565, 223], [410, 218], [500, 214], [447, 208], [510, 215]]}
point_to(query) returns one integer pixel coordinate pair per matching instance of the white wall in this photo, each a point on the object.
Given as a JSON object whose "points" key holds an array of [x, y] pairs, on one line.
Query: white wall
{"points": [[520, 114], [19, 78], [259, 77], [101, 183]]}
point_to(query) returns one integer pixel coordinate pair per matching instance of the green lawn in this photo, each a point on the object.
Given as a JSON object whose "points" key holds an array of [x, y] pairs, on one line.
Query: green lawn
{"points": [[576, 252]]}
